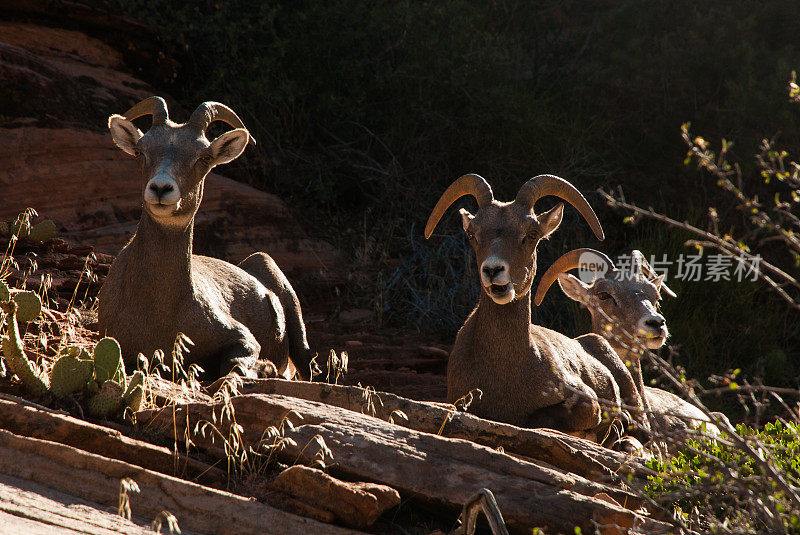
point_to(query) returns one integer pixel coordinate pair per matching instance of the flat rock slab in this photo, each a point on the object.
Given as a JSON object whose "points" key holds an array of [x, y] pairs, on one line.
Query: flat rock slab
{"points": [[97, 479], [47, 425], [440, 470], [356, 504], [566, 452], [34, 509]]}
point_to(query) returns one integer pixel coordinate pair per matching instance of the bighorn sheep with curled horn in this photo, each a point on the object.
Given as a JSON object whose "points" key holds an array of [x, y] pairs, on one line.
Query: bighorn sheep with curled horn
{"points": [[243, 316], [528, 375], [624, 309]]}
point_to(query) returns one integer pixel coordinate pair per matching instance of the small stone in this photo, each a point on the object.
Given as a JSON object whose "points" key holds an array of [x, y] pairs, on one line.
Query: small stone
{"points": [[354, 504]]}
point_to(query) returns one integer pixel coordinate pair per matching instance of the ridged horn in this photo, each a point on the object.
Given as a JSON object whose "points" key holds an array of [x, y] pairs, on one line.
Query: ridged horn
{"points": [[155, 106], [544, 185], [208, 112], [470, 184], [638, 256], [567, 261]]}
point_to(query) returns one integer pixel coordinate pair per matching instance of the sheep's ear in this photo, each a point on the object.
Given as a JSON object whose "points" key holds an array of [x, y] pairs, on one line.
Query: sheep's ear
{"points": [[228, 146], [550, 220], [124, 133], [661, 287], [575, 288], [466, 219]]}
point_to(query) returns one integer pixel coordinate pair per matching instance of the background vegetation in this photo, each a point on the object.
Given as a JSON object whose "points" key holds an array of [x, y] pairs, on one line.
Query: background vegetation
{"points": [[366, 111]]}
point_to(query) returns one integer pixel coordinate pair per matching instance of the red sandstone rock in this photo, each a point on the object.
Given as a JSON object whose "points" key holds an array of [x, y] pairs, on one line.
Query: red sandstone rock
{"points": [[355, 504]]}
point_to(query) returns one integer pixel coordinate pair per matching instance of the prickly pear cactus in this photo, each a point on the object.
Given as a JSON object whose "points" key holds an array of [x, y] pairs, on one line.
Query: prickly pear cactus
{"points": [[69, 375], [29, 305], [108, 364], [135, 392], [36, 383], [101, 374], [107, 401], [43, 231]]}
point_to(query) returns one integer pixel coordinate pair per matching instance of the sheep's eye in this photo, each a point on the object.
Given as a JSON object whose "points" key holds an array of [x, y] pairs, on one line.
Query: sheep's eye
{"points": [[470, 236], [137, 152], [206, 159], [603, 296]]}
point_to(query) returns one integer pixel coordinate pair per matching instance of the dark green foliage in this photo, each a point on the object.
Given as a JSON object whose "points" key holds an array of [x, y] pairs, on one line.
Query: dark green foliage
{"points": [[433, 285]]}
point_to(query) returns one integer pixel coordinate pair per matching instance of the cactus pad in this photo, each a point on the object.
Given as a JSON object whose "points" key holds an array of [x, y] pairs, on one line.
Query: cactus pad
{"points": [[107, 401], [134, 398], [30, 305], [43, 231], [135, 392], [5, 294], [69, 375], [26, 370], [108, 364], [75, 351]]}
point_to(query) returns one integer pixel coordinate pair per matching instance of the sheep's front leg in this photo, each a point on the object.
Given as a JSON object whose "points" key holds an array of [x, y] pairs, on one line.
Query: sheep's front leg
{"points": [[580, 411]]}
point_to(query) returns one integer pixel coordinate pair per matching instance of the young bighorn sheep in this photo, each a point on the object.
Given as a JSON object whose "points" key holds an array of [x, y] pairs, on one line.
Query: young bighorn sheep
{"points": [[624, 309], [528, 375], [243, 316]]}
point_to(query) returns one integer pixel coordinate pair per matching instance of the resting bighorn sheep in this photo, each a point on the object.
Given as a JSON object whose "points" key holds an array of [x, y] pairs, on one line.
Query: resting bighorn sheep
{"points": [[528, 375], [624, 309], [240, 316]]}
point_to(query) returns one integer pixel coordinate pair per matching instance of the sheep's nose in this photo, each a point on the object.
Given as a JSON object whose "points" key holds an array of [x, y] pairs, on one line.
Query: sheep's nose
{"points": [[655, 322], [160, 189], [492, 271]]}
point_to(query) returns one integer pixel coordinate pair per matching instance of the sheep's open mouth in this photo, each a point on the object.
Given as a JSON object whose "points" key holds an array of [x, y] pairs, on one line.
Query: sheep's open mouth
{"points": [[654, 340], [499, 289]]}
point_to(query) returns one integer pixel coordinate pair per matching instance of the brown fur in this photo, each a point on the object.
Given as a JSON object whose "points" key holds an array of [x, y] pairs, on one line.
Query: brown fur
{"points": [[529, 376], [244, 316], [626, 303]]}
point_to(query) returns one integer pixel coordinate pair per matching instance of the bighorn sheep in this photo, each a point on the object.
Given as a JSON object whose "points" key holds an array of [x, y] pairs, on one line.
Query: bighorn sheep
{"points": [[624, 309], [528, 375], [243, 316]]}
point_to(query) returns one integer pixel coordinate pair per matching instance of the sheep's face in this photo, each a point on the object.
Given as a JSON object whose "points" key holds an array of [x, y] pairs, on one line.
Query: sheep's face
{"points": [[629, 299], [174, 160], [504, 237]]}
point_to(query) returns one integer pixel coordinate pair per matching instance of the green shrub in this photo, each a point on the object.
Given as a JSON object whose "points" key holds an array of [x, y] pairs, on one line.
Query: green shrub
{"points": [[719, 484]]}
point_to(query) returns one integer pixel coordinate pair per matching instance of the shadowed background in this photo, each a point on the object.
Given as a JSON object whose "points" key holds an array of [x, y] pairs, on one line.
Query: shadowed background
{"points": [[365, 112]]}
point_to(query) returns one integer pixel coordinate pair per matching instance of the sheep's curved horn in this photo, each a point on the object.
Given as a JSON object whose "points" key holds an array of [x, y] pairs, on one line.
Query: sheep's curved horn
{"points": [[155, 106], [543, 185], [470, 184], [208, 112], [567, 261], [638, 258]]}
